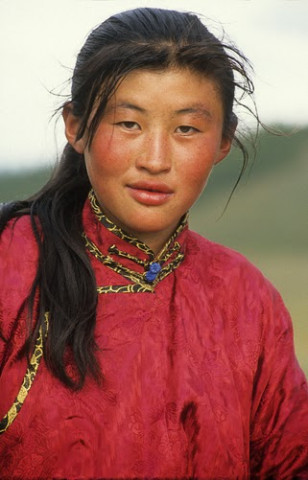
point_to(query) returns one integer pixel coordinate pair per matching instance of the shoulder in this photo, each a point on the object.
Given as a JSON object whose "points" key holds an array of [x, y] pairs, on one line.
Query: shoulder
{"points": [[220, 260], [18, 247], [233, 279], [18, 265], [242, 300], [17, 240]]}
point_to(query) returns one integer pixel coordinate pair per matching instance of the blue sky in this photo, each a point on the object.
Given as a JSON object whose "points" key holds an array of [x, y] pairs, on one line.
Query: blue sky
{"points": [[39, 40]]}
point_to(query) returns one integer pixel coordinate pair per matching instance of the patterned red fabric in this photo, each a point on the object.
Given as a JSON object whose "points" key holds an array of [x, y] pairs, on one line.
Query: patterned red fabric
{"points": [[201, 380]]}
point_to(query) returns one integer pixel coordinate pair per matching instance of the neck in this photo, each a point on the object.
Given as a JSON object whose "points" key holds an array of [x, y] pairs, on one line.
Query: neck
{"points": [[156, 240]]}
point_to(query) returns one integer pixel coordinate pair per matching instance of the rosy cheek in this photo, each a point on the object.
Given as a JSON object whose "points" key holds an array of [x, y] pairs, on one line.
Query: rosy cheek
{"points": [[199, 168], [104, 156]]}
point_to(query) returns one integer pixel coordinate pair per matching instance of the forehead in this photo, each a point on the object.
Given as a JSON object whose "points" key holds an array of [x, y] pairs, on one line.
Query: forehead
{"points": [[177, 90]]}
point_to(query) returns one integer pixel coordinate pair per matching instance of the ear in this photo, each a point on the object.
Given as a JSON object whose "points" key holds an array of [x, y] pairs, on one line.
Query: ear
{"points": [[227, 139], [71, 129], [225, 147]]}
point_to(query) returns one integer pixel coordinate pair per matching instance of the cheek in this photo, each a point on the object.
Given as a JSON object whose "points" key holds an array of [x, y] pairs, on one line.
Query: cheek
{"points": [[107, 158], [198, 181], [197, 170]]}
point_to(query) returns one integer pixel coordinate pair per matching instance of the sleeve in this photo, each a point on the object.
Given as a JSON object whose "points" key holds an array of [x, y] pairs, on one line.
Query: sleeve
{"points": [[279, 416]]}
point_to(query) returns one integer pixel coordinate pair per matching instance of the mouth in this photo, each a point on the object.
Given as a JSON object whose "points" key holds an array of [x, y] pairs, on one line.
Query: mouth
{"points": [[151, 187], [150, 193]]}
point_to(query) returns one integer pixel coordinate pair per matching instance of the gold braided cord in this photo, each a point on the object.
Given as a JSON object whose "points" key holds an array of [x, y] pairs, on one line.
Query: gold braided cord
{"points": [[169, 268], [29, 377], [120, 253], [175, 249], [131, 288], [109, 262]]}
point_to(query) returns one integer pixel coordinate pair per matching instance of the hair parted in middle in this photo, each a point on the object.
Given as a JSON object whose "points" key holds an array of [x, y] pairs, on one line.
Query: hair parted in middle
{"points": [[153, 39]]}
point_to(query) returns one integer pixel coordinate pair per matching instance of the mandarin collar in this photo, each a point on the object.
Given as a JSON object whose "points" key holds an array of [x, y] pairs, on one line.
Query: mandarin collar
{"points": [[126, 254]]}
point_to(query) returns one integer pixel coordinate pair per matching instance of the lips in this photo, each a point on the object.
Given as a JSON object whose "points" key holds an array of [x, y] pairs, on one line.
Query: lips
{"points": [[151, 186], [150, 193]]}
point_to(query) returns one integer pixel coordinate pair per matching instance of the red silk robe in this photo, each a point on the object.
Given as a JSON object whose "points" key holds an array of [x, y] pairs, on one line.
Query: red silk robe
{"points": [[201, 380]]}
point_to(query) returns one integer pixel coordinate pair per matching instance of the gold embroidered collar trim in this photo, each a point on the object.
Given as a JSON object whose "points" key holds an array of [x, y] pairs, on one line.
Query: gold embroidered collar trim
{"points": [[156, 268]]}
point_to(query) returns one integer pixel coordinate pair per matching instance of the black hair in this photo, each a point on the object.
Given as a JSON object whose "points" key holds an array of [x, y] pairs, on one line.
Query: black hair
{"points": [[144, 38]]}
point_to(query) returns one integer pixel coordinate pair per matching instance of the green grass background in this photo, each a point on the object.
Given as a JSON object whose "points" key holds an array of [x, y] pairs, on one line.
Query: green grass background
{"points": [[266, 219]]}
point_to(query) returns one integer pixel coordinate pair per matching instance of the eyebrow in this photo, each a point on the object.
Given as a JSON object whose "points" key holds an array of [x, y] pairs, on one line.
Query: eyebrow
{"points": [[196, 110], [129, 106]]}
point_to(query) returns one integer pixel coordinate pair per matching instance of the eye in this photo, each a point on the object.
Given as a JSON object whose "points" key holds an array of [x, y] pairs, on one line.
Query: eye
{"points": [[129, 125], [186, 130]]}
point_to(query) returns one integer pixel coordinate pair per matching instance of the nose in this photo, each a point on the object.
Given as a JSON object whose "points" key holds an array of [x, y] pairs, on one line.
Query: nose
{"points": [[155, 156]]}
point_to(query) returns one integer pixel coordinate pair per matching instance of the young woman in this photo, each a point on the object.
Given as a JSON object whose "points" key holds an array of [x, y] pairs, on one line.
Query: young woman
{"points": [[131, 347]]}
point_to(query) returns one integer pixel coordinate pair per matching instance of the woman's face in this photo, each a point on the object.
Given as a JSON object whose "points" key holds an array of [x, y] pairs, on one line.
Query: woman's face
{"points": [[154, 149]]}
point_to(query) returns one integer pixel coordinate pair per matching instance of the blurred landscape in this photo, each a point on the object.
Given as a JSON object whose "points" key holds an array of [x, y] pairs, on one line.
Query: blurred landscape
{"points": [[266, 219]]}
